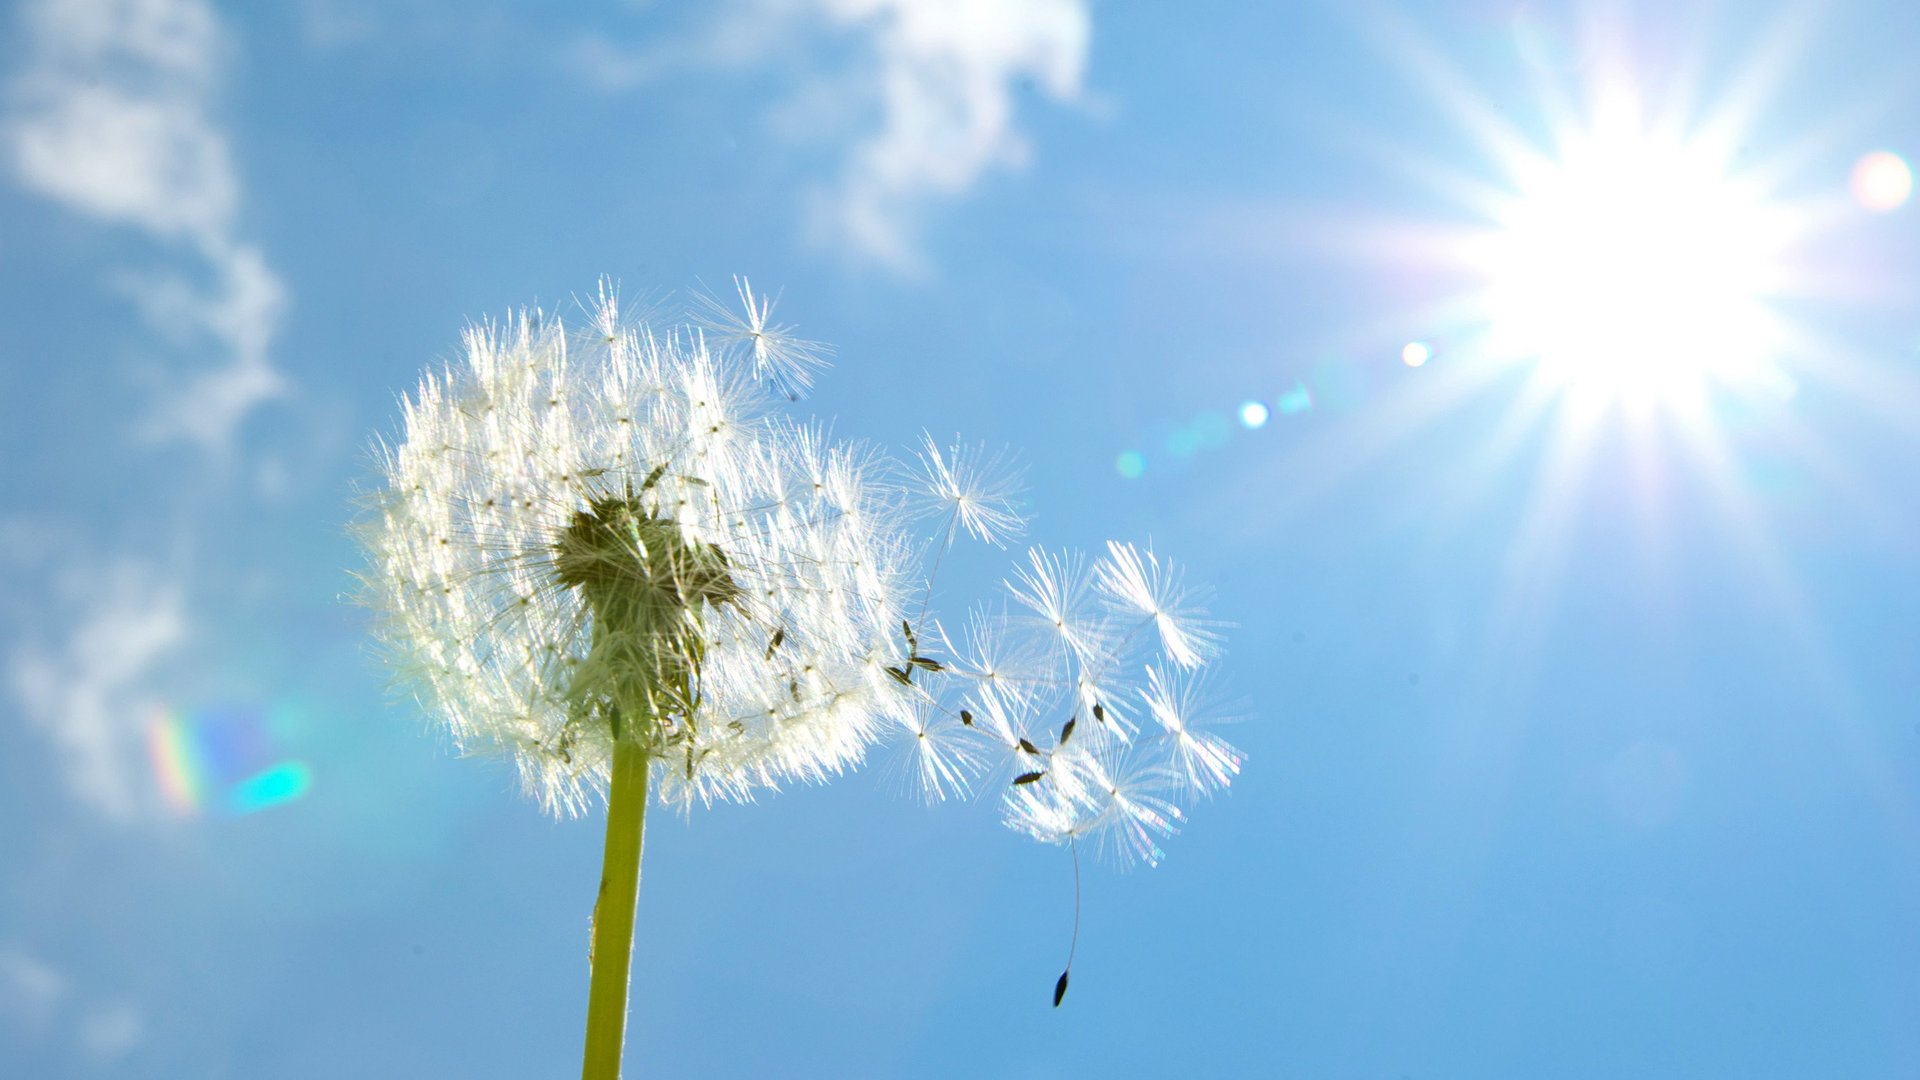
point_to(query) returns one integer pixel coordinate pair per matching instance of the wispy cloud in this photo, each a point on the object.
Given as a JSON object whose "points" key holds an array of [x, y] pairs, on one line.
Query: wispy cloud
{"points": [[91, 691], [111, 1031], [34, 995], [113, 116], [30, 989], [925, 105], [946, 75]]}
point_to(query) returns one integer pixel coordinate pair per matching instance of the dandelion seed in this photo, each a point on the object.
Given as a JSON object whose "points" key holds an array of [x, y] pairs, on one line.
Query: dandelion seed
{"points": [[997, 651], [1137, 581], [1114, 785], [973, 489], [787, 361], [1056, 589], [1202, 761], [941, 758]]}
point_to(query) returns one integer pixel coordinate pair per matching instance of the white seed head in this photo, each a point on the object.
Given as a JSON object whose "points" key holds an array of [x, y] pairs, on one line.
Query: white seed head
{"points": [[602, 535]]}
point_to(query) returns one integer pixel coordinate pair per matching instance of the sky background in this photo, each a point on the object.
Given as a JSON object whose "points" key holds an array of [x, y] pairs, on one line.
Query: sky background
{"points": [[1582, 732]]}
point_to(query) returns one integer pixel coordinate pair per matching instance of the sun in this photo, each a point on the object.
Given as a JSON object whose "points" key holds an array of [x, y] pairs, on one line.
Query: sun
{"points": [[1628, 306], [1633, 267]]}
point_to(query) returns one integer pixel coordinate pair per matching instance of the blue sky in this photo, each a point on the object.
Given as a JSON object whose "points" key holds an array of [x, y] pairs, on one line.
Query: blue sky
{"points": [[1579, 706]]}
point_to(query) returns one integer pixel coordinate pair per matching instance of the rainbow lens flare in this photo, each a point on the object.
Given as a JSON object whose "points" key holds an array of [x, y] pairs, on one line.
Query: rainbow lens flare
{"points": [[224, 761]]}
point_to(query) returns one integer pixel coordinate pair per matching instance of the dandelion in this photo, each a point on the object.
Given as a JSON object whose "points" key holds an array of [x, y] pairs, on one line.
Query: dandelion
{"points": [[604, 556]]}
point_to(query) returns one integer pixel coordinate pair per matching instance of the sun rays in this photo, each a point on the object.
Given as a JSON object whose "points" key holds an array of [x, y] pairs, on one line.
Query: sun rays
{"points": [[1632, 253], [1632, 268]]}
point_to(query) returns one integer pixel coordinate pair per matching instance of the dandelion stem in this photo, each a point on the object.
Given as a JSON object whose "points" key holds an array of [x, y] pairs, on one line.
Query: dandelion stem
{"points": [[611, 949]]}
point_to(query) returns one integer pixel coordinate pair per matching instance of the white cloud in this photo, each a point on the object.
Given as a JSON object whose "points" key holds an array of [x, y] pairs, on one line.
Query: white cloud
{"points": [[31, 541], [92, 692], [39, 999], [946, 74], [939, 78], [112, 115], [153, 164], [30, 989], [241, 310], [110, 1032], [329, 24]]}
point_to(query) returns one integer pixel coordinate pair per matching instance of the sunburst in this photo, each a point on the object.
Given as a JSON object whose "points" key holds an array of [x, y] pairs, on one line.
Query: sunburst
{"points": [[1638, 268], [1631, 265]]}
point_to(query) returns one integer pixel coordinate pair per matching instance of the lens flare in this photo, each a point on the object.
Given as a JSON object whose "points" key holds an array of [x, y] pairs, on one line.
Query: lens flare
{"points": [[1882, 181], [176, 765], [223, 761], [281, 783], [1333, 380]]}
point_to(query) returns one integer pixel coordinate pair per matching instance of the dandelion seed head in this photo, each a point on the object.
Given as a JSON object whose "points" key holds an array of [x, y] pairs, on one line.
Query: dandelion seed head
{"points": [[597, 535]]}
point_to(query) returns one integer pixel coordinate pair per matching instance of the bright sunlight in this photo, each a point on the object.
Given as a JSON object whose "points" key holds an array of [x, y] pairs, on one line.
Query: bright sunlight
{"points": [[1634, 270]]}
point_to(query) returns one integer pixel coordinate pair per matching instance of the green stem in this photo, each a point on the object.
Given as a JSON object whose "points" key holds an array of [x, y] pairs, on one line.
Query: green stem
{"points": [[612, 943]]}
